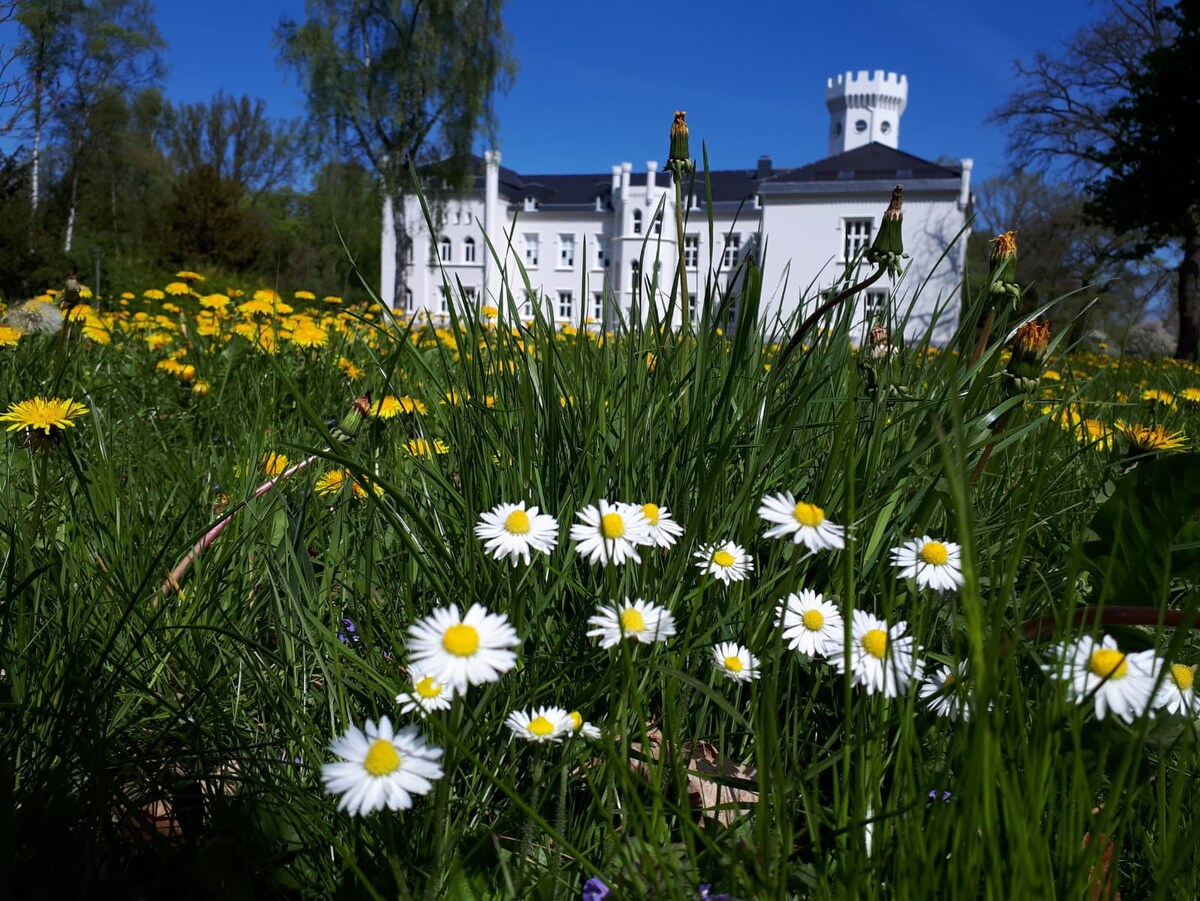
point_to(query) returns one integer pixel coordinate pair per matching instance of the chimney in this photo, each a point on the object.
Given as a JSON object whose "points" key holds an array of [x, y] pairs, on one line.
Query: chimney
{"points": [[651, 173], [626, 171], [616, 182], [764, 168]]}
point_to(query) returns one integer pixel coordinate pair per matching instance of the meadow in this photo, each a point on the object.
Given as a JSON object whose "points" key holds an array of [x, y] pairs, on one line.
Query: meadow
{"points": [[888, 621]]}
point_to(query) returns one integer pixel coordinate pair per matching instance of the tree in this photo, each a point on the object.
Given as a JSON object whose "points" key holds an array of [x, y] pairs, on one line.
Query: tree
{"points": [[1151, 180], [235, 139], [1062, 250], [1065, 118], [12, 88], [395, 83]]}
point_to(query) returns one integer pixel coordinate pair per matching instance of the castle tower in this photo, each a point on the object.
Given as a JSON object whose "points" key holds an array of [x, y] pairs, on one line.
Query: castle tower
{"points": [[865, 107]]}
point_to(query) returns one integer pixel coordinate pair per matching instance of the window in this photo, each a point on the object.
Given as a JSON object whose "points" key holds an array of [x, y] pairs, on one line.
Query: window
{"points": [[885, 127], [566, 251], [876, 305], [444, 300], [857, 238], [447, 250], [598, 306], [635, 269], [526, 304], [454, 217], [691, 251], [602, 252], [471, 294], [860, 126], [531, 251], [530, 205], [468, 250], [408, 304], [732, 244], [658, 224], [637, 222], [408, 252], [566, 305]]}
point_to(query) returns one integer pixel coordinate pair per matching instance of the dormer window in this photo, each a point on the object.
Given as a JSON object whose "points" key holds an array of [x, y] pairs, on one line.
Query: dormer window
{"points": [[530, 204], [637, 222], [447, 249]]}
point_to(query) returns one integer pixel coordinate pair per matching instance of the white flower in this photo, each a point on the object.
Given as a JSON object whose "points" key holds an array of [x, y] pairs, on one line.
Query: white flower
{"points": [[729, 562], [462, 651], [380, 768], [637, 620], [511, 530], [610, 533], [935, 564], [582, 728], [664, 531], [426, 696], [943, 691], [881, 656], [1177, 692], [541, 724], [1120, 683], [736, 662], [805, 522], [811, 624]]}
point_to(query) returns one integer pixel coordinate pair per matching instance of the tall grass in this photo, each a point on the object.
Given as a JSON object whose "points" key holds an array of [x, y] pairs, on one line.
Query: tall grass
{"points": [[170, 743]]}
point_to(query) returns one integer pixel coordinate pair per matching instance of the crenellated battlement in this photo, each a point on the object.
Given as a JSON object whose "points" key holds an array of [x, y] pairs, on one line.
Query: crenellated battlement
{"points": [[865, 106], [864, 82]]}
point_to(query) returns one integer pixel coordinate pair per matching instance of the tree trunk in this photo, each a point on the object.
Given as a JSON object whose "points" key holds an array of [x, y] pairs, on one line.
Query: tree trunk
{"points": [[71, 213], [1187, 293]]}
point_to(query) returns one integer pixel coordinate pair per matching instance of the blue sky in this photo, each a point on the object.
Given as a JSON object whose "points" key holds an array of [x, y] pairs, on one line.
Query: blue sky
{"points": [[597, 83]]}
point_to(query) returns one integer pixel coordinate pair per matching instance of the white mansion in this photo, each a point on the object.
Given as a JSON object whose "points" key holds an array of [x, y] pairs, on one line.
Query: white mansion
{"points": [[587, 242]]}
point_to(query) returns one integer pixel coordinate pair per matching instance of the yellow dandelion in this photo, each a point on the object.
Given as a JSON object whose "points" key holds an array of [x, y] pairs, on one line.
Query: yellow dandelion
{"points": [[304, 295], [307, 333], [96, 332], [201, 387], [214, 301], [153, 294], [331, 298], [255, 306], [1190, 395], [266, 295], [1157, 397], [1150, 439], [419, 447], [273, 464], [9, 336], [188, 276], [352, 372], [177, 289], [158, 340], [48, 415]]}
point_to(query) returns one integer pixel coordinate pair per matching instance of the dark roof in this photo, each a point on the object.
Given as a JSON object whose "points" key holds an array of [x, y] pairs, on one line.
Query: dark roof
{"points": [[868, 163], [873, 162]]}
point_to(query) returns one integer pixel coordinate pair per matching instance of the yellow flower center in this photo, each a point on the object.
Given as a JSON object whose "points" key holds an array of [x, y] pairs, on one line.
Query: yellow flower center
{"points": [[612, 526], [382, 758], [813, 620], [733, 664], [1184, 676], [723, 558], [461, 640], [650, 511], [632, 621], [427, 688], [576, 719], [517, 522], [809, 515], [950, 679], [875, 643], [1107, 663], [541, 727], [935, 553]]}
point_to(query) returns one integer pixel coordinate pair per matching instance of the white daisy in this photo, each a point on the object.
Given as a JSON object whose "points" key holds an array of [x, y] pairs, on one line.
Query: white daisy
{"points": [[664, 531], [729, 562], [581, 727], [637, 620], [736, 662], [541, 724], [881, 656], [943, 691], [380, 768], [426, 696], [610, 533], [811, 624], [1177, 692], [462, 651], [935, 564], [511, 530], [805, 522], [1120, 683]]}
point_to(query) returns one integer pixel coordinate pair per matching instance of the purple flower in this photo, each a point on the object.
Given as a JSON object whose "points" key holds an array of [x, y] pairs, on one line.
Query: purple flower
{"points": [[946, 796], [351, 633], [595, 889]]}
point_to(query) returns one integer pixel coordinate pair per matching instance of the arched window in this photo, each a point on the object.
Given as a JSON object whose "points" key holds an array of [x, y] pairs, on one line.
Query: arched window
{"points": [[637, 222], [408, 304], [447, 250], [468, 250]]}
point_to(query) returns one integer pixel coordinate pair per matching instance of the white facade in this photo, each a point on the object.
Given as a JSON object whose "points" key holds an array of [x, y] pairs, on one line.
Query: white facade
{"points": [[589, 244]]}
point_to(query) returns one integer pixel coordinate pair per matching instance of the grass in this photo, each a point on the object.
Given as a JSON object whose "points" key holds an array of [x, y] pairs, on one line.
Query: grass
{"points": [[171, 742]]}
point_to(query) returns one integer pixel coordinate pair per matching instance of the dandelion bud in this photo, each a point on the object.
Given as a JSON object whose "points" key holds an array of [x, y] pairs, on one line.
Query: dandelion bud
{"points": [[888, 249], [1002, 266], [880, 342], [679, 138], [347, 430], [1025, 367]]}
